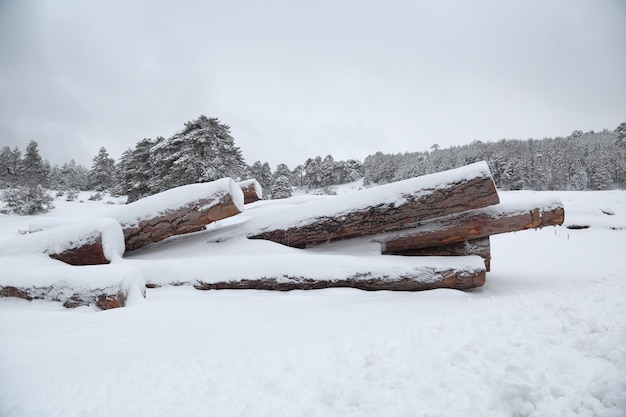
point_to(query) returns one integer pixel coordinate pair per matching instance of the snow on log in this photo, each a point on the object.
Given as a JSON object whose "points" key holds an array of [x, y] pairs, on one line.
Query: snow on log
{"points": [[41, 278], [70, 297], [252, 191], [506, 217], [389, 207], [480, 247], [92, 242], [178, 211], [424, 279], [266, 265]]}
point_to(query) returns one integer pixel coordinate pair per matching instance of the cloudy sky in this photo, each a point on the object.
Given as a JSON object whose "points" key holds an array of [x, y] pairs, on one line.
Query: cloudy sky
{"points": [[295, 79]]}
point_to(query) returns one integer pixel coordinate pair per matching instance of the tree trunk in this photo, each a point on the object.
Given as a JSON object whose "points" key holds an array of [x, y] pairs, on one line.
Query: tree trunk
{"points": [[384, 209], [178, 211], [104, 298], [471, 225], [423, 279], [480, 247], [252, 191]]}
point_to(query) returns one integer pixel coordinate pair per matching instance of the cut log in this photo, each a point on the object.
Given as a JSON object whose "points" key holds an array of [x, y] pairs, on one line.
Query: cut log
{"points": [[103, 298], [423, 279], [178, 211], [287, 269], [92, 242], [480, 247], [391, 207], [475, 224], [104, 286], [252, 191]]}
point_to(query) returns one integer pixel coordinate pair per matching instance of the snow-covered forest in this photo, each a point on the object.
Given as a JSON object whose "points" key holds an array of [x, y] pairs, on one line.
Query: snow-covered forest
{"points": [[204, 150]]}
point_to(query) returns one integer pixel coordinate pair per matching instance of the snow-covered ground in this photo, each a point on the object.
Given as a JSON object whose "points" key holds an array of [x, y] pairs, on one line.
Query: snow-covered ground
{"points": [[545, 336]]}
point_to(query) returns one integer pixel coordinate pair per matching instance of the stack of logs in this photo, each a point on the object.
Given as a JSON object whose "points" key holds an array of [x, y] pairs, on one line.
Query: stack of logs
{"points": [[444, 215]]}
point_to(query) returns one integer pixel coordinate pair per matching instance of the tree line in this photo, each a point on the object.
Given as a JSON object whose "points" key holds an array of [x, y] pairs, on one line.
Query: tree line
{"points": [[580, 161], [204, 150]]}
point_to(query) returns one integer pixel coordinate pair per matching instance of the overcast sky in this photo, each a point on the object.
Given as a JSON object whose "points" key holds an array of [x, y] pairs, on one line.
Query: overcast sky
{"points": [[296, 79]]}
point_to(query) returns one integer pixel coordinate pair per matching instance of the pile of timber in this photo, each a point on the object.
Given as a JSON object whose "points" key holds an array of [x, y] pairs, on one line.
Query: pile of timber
{"points": [[448, 214], [451, 213]]}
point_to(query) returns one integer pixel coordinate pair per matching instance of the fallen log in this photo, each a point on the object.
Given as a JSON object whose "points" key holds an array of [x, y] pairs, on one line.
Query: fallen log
{"points": [[391, 207], [103, 286], [423, 279], [92, 242], [103, 298], [252, 191], [474, 224], [480, 247], [178, 211]]}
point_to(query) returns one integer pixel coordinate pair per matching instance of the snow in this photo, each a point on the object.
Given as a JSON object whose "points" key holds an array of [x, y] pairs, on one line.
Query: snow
{"points": [[545, 336], [176, 198]]}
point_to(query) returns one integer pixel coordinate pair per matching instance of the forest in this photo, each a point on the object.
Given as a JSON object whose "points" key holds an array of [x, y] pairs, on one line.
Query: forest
{"points": [[204, 150]]}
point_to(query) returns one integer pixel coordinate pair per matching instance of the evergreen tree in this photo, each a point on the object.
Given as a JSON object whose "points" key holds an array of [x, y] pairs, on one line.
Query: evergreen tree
{"points": [[203, 151], [26, 200], [281, 188], [620, 131], [102, 174], [313, 175], [283, 170], [33, 169], [134, 171], [263, 174], [10, 161]]}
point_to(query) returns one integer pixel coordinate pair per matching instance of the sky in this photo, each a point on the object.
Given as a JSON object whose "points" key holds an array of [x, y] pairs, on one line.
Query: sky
{"points": [[297, 79]]}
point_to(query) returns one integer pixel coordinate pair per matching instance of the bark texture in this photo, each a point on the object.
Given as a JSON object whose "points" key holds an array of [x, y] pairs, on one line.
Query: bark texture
{"points": [[191, 218], [425, 279], [105, 298], [413, 209], [480, 247], [251, 191], [86, 254], [470, 225]]}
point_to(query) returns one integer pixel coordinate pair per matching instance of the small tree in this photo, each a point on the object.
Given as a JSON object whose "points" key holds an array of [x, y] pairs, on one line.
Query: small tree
{"points": [[33, 169], [102, 174], [28, 200], [10, 161], [281, 188]]}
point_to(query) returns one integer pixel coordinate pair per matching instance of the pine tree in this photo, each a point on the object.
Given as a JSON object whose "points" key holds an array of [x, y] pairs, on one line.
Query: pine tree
{"points": [[621, 135], [263, 174], [102, 174], [203, 151], [313, 175], [283, 170], [33, 169], [281, 188], [134, 171], [10, 161]]}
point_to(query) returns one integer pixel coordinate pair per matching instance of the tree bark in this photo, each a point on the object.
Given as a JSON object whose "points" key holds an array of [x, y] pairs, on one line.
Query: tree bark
{"points": [[86, 254], [408, 211], [252, 191], [480, 247], [471, 225], [425, 279], [163, 215], [105, 298]]}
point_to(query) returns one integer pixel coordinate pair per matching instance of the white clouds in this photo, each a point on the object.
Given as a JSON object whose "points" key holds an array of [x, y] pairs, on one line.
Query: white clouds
{"points": [[298, 79]]}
